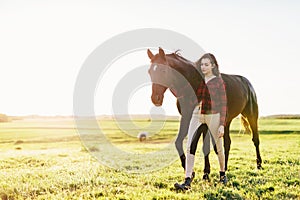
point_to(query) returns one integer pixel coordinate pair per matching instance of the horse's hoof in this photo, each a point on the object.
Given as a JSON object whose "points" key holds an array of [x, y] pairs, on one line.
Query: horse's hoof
{"points": [[193, 176], [258, 163], [205, 177]]}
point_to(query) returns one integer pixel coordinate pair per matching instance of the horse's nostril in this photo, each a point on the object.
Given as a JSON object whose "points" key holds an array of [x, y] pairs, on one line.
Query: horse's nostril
{"points": [[157, 98]]}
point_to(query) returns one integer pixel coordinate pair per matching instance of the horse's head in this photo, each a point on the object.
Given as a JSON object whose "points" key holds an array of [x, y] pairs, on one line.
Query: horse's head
{"points": [[159, 71], [174, 72]]}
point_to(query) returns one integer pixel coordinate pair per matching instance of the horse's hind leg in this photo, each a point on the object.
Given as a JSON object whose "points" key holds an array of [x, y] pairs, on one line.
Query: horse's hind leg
{"points": [[255, 138], [252, 117]]}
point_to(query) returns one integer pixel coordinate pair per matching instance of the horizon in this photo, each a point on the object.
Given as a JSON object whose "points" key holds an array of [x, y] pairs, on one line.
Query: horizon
{"points": [[133, 115]]}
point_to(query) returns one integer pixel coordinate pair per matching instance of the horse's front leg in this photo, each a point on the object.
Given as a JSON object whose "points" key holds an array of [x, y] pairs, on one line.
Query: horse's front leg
{"points": [[182, 133], [179, 145]]}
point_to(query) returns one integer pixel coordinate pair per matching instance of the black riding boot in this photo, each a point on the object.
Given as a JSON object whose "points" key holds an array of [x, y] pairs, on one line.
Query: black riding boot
{"points": [[184, 186]]}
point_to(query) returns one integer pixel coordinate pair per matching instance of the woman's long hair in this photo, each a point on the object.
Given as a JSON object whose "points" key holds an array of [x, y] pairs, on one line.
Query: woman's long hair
{"points": [[213, 61]]}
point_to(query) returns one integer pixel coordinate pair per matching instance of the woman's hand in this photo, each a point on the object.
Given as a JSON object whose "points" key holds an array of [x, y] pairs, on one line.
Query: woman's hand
{"points": [[221, 131], [202, 120]]}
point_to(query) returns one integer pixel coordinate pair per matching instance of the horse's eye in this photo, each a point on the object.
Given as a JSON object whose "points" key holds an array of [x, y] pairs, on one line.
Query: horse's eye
{"points": [[154, 67]]}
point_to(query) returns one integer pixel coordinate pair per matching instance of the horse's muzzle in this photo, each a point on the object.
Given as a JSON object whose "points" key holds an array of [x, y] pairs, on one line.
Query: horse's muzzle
{"points": [[157, 100]]}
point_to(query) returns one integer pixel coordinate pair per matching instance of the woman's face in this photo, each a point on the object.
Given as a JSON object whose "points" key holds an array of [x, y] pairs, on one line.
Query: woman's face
{"points": [[206, 67]]}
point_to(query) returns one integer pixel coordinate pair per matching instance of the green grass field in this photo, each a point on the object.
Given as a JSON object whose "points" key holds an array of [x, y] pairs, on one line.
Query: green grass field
{"points": [[45, 159]]}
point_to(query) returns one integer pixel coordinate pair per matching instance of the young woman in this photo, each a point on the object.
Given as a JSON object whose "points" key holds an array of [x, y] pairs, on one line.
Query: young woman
{"points": [[211, 111]]}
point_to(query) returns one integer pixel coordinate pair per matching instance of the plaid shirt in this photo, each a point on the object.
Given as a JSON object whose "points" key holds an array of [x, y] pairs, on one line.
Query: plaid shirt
{"points": [[213, 98]]}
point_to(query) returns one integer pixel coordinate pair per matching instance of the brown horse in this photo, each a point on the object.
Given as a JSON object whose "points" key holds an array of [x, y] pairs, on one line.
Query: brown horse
{"points": [[166, 69]]}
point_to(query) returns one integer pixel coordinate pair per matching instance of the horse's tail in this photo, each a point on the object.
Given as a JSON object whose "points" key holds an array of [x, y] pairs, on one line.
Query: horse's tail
{"points": [[245, 124], [251, 110]]}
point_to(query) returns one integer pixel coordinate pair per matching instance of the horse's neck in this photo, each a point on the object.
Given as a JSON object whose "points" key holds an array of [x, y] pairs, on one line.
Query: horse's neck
{"points": [[182, 84], [192, 76]]}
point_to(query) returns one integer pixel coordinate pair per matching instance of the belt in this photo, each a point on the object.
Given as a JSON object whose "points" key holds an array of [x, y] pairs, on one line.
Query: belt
{"points": [[210, 112]]}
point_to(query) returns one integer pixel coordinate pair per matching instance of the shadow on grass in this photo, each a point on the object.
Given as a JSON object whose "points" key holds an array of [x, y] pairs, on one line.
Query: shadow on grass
{"points": [[264, 132]]}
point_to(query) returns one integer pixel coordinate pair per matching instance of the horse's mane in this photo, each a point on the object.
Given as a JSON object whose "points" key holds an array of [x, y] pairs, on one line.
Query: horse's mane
{"points": [[177, 56], [185, 67]]}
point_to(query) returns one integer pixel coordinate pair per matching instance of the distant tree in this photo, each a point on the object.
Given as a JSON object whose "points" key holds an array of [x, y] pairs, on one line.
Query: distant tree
{"points": [[4, 118]]}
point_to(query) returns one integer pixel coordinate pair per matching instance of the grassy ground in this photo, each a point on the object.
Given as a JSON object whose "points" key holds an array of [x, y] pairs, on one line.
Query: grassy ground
{"points": [[46, 160]]}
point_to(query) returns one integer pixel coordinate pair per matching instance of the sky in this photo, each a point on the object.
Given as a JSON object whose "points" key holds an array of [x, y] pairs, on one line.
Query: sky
{"points": [[43, 45]]}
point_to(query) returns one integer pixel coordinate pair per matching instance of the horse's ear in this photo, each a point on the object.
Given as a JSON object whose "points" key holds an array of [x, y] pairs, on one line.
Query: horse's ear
{"points": [[150, 54], [162, 53]]}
